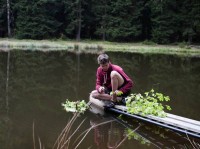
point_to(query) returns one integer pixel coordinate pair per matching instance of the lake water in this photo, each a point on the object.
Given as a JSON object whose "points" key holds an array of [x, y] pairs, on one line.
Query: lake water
{"points": [[33, 85]]}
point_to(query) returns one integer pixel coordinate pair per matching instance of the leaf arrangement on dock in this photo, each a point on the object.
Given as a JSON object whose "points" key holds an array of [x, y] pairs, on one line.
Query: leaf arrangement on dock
{"points": [[147, 104]]}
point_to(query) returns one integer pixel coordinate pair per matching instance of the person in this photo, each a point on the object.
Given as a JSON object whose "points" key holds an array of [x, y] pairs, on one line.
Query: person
{"points": [[112, 83]]}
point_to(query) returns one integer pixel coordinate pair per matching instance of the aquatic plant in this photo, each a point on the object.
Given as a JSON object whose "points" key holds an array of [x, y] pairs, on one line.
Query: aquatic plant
{"points": [[147, 104], [78, 106]]}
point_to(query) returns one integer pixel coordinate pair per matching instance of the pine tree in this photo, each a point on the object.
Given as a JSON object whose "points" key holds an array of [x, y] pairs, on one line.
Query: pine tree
{"points": [[120, 19], [190, 22], [101, 15], [164, 20], [36, 19], [73, 15], [3, 19]]}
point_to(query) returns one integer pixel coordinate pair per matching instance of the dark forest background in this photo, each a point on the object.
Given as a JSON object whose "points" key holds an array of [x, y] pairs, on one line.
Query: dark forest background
{"points": [[160, 21]]}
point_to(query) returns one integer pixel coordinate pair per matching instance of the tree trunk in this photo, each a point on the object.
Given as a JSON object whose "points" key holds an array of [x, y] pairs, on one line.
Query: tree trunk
{"points": [[78, 37], [8, 18], [104, 24], [104, 35]]}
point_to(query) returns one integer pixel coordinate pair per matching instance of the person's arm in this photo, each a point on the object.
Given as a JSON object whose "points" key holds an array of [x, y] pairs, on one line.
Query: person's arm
{"points": [[99, 80]]}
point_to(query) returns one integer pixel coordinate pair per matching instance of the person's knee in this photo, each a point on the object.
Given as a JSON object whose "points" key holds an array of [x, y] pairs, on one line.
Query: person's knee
{"points": [[94, 94], [117, 76], [114, 74]]}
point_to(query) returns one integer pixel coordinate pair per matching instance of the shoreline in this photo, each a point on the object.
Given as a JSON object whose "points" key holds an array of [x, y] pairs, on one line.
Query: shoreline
{"points": [[97, 46]]}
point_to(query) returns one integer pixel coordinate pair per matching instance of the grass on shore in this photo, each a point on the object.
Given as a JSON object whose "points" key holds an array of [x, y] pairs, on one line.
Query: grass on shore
{"points": [[97, 46]]}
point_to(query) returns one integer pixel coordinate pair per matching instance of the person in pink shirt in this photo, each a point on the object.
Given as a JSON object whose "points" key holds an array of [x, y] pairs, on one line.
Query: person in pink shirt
{"points": [[112, 83]]}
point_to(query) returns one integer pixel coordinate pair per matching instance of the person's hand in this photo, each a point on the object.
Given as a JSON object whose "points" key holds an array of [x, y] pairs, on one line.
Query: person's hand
{"points": [[118, 92], [101, 89]]}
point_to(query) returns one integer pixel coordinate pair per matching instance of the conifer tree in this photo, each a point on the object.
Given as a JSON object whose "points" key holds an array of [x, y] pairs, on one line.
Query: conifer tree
{"points": [[73, 14], [164, 20], [3, 23], [36, 19]]}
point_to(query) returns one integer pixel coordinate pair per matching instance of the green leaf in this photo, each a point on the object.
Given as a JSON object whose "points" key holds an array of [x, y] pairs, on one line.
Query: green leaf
{"points": [[149, 104], [71, 106]]}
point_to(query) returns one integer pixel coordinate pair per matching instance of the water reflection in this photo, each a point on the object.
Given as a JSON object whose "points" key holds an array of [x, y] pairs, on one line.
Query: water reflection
{"points": [[7, 80], [114, 134], [112, 137], [124, 131], [36, 83], [178, 77]]}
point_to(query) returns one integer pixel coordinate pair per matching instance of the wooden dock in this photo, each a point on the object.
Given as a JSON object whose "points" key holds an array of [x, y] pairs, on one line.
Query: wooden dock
{"points": [[171, 121]]}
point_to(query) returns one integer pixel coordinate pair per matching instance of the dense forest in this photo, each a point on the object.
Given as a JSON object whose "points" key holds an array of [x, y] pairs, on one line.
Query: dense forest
{"points": [[160, 21]]}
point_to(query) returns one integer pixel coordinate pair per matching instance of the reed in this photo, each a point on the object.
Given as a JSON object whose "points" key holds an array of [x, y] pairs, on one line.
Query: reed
{"points": [[64, 138], [63, 141], [194, 144]]}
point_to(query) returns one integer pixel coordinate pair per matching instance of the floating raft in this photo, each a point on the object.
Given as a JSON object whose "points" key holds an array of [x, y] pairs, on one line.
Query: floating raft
{"points": [[177, 123]]}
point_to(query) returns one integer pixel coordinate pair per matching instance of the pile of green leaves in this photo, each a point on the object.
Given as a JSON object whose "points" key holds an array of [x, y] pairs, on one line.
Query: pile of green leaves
{"points": [[78, 106], [147, 104]]}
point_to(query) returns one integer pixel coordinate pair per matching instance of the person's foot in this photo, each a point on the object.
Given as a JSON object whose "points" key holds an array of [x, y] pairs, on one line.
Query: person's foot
{"points": [[121, 101], [109, 105]]}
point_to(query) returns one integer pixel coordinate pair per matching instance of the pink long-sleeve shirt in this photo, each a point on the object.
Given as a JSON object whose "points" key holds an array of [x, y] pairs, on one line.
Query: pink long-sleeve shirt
{"points": [[103, 78]]}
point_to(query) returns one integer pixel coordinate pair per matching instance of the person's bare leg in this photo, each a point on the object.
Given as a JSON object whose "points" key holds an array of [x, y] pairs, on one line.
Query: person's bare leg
{"points": [[102, 96], [116, 82]]}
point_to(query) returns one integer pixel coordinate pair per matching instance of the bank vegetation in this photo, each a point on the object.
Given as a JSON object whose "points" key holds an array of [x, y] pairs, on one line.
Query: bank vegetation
{"points": [[86, 46]]}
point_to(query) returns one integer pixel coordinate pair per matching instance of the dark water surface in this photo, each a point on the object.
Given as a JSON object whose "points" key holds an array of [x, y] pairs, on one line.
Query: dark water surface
{"points": [[36, 83]]}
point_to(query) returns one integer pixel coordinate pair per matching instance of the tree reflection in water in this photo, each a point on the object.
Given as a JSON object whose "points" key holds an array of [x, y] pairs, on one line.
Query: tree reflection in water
{"points": [[40, 81]]}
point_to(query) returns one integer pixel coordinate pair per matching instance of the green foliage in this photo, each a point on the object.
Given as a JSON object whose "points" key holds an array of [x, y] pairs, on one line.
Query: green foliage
{"points": [[123, 21], [101, 16], [147, 104], [183, 44], [3, 18], [163, 21], [79, 106], [35, 21], [147, 42]]}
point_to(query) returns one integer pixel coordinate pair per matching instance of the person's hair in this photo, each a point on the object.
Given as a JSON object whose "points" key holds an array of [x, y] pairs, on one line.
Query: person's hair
{"points": [[103, 59]]}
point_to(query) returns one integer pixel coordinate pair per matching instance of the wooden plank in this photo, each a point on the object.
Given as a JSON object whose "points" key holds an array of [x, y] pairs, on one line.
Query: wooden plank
{"points": [[178, 121], [183, 119], [174, 120]]}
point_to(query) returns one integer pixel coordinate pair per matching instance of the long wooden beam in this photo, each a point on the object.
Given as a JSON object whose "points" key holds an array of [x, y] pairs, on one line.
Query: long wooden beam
{"points": [[174, 122]]}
